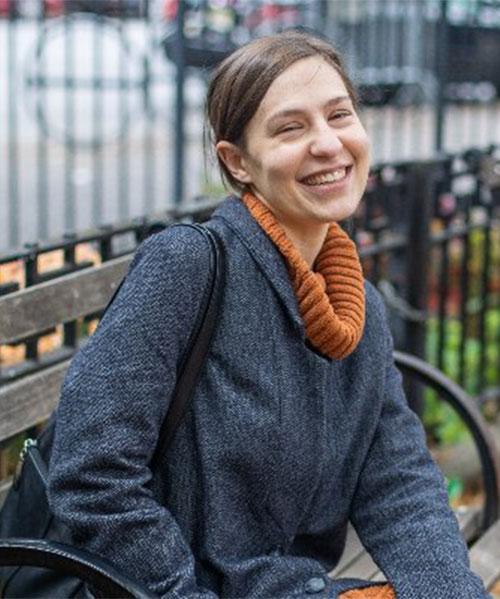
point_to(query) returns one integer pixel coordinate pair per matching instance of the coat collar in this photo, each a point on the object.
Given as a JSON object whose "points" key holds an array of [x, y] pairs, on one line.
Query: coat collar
{"points": [[235, 214]]}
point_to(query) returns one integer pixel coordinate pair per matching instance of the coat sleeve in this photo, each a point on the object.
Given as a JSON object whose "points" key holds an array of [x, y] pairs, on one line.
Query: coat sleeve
{"points": [[114, 399], [400, 509]]}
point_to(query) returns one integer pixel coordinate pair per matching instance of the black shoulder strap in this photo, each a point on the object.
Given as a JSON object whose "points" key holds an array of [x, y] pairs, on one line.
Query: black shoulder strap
{"points": [[198, 345]]}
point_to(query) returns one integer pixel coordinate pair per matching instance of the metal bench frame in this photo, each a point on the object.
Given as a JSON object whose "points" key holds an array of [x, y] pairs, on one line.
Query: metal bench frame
{"points": [[463, 404]]}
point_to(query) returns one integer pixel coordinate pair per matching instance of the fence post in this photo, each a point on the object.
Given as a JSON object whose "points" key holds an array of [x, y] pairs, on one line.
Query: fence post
{"points": [[441, 69], [31, 278], [70, 328], [421, 202], [180, 63]]}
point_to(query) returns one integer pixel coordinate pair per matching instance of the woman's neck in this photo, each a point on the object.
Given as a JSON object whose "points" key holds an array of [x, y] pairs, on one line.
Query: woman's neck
{"points": [[307, 237], [307, 240]]}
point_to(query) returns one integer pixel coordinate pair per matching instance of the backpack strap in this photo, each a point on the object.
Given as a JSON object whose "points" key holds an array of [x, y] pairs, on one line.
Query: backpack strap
{"points": [[198, 345]]}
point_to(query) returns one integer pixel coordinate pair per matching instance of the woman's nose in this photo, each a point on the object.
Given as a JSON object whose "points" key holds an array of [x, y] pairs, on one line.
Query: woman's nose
{"points": [[325, 141]]}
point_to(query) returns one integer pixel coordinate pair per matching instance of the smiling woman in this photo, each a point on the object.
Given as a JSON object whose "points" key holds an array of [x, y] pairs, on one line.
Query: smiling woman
{"points": [[298, 423]]}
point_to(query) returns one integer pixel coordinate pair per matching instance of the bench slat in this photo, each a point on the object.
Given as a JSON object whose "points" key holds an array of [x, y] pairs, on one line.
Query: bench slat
{"points": [[485, 556], [30, 400], [63, 299], [469, 521], [364, 567], [352, 551]]}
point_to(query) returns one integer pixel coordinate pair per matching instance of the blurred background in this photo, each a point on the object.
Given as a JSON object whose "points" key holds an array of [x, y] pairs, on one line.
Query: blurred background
{"points": [[101, 104], [101, 142]]}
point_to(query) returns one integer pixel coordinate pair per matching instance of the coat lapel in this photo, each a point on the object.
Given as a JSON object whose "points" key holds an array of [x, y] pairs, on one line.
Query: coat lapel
{"points": [[263, 251]]}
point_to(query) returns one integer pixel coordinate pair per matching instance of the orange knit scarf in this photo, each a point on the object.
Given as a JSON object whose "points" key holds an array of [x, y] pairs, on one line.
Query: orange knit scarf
{"points": [[375, 592], [332, 299]]}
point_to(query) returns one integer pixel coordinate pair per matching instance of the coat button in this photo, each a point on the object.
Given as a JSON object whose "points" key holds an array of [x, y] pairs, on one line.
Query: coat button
{"points": [[315, 585]]}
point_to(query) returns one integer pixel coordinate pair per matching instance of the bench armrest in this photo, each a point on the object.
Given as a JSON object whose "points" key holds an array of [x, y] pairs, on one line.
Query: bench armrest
{"points": [[103, 578], [460, 401]]}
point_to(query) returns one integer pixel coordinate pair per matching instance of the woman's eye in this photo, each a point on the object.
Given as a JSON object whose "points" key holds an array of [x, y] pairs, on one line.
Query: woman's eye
{"points": [[340, 114], [288, 128]]}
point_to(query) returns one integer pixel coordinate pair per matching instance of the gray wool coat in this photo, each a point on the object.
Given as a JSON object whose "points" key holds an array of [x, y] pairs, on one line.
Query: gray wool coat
{"points": [[280, 448]]}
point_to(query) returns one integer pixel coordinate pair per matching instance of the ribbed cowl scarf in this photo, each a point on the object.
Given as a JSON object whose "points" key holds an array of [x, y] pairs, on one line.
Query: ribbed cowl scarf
{"points": [[331, 299]]}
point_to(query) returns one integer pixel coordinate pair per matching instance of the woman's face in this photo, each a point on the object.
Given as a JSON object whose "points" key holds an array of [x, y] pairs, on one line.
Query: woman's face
{"points": [[306, 152]]}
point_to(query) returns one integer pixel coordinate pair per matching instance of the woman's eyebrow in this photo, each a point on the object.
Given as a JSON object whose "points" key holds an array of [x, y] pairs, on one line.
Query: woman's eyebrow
{"points": [[337, 100], [288, 112]]}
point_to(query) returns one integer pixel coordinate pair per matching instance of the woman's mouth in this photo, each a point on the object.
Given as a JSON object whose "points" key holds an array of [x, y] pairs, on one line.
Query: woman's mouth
{"points": [[335, 176]]}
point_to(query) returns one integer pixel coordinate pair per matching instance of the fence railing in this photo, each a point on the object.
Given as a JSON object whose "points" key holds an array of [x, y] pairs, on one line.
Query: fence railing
{"points": [[101, 100]]}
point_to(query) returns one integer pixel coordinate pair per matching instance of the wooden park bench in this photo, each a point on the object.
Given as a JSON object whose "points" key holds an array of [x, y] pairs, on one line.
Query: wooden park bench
{"points": [[29, 400]]}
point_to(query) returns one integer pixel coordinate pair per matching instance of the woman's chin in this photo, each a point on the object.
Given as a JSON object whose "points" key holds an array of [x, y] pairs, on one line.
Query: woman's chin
{"points": [[337, 210]]}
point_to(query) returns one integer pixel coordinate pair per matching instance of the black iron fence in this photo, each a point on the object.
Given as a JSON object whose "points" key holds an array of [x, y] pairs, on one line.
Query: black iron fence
{"points": [[429, 236], [101, 100]]}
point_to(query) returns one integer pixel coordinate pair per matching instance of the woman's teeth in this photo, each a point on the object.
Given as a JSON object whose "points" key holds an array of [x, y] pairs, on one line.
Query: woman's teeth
{"points": [[332, 177]]}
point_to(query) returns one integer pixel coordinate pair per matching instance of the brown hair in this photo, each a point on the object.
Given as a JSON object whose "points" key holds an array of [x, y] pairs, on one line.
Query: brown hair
{"points": [[241, 81]]}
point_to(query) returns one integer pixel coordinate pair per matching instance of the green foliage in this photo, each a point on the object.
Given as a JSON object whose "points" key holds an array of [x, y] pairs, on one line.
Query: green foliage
{"points": [[441, 421], [455, 488], [492, 323], [443, 424], [472, 350]]}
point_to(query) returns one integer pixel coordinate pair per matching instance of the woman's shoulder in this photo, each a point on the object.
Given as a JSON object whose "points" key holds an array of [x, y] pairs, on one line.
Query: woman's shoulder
{"points": [[179, 242], [177, 252], [170, 267]]}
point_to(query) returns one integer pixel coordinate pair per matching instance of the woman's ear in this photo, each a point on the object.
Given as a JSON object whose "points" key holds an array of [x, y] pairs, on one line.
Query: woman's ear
{"points": [[231, 155]]}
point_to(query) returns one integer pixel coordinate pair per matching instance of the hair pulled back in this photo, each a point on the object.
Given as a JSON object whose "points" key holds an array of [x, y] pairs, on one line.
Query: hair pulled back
{"points": [[241, 81]]}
